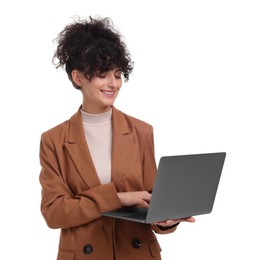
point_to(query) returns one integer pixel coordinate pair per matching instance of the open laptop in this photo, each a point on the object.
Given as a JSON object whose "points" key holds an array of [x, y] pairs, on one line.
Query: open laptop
{"points": [[185, 185]]}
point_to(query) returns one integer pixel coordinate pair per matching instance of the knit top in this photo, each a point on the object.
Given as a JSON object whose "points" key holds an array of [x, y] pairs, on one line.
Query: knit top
{"points": [[98, 134]]}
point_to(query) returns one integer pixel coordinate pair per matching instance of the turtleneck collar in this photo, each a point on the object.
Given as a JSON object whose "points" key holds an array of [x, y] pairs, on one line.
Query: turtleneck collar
{"points": [[96, 119]]}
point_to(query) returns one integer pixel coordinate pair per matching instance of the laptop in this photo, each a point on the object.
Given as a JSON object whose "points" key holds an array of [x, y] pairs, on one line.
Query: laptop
{"points": [[185, 185]]}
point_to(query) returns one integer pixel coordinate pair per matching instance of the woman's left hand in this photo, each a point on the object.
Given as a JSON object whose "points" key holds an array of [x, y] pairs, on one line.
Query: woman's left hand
{"points": [[171, 222]]}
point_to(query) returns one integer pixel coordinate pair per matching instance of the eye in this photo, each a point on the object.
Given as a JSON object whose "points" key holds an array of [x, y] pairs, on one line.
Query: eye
{"points": [[102, 75], [118, 74]]}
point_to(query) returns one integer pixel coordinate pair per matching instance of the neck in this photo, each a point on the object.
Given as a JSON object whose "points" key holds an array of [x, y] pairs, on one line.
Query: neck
{"points": [[95, 110]]}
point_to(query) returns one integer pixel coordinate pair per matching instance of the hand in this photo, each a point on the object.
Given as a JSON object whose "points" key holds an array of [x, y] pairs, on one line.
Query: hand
{"points": [[171, 222], [135, 198]]}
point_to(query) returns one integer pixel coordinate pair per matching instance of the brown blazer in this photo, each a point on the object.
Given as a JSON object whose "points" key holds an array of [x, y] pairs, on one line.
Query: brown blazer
{"points": [[73, 197]]}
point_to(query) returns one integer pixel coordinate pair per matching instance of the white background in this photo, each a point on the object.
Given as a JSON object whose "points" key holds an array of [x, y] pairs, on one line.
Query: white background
{"points": [[194, 80]]}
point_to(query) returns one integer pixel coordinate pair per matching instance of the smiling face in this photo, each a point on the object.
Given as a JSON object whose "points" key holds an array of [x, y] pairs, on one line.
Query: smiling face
{"points": [[99, 93]]}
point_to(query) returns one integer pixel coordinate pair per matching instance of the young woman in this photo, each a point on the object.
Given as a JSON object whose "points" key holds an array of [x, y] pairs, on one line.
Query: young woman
{"points": [[100, 159]]}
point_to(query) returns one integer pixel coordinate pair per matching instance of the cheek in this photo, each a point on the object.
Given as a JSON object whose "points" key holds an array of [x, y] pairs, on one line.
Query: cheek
{"points": [[97, 83], [119, 84], [118, 90]]}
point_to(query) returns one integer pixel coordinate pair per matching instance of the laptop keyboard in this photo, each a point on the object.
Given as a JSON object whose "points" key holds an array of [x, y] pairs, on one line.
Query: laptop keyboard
{"points": [[137, 213], [141, 216]]}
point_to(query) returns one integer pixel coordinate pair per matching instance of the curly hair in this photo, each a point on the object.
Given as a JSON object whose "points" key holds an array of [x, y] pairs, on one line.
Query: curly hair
{"points": [[92, 47]]}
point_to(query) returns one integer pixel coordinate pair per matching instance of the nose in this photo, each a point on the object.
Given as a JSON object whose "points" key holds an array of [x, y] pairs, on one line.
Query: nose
{"points": [[112, 81]]}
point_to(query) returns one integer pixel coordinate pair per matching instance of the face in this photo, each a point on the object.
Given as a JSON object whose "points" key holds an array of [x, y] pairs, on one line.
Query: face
{"points": [[99, 93]]}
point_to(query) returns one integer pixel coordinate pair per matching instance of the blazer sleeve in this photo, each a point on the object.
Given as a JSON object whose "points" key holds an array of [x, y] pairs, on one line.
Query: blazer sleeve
{"points": [[150, 170], [59, 207]]}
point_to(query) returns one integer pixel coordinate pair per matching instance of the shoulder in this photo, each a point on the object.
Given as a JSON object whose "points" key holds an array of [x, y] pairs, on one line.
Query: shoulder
{"points": [[61, 130], [136, 122], [65, 125], [57, 132], [57, 128], [133, 123]]}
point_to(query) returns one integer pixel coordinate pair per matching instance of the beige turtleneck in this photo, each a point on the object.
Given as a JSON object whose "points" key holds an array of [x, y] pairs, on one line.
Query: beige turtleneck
{"points": [[98, 134]]}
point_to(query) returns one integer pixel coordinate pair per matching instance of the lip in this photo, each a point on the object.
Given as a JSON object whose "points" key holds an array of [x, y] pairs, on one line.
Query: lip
{"points": [[108, 93]]}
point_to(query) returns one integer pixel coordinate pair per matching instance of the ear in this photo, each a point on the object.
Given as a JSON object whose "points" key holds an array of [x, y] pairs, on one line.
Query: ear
{"points": [[77, 77]]}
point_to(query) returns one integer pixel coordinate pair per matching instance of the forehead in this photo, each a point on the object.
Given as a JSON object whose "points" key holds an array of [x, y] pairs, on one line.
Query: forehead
{"points": [[112, 70]]}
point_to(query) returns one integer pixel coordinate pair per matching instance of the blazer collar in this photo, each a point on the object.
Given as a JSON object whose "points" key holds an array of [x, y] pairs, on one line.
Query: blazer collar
{"points": [[78, 150], [119, 122], [76, 132]]}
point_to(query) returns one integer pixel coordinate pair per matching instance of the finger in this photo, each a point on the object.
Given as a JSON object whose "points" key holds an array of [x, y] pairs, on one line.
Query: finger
{"points": [[144, 204], [146, 196], [170, 222], [191, 219], [166, 223], [188, 219]]}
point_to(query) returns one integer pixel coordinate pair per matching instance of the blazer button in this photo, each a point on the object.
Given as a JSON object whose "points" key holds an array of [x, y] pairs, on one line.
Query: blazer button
{"points": [[87, 249], [136, 243]]}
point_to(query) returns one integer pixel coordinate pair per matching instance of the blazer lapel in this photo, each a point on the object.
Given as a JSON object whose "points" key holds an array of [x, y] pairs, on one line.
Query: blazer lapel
{"points": [[122, 145], [78, 150]]}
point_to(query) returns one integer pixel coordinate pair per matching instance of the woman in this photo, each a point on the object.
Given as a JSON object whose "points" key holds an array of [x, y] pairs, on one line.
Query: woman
{"points": [[100, 159]]}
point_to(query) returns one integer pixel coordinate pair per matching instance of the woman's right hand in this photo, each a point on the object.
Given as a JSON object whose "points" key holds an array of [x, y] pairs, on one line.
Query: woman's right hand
{"points": [[135, 198]]}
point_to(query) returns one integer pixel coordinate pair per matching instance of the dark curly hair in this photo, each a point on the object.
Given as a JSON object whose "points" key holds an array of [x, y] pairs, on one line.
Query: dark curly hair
{"points": [[93, 47]]}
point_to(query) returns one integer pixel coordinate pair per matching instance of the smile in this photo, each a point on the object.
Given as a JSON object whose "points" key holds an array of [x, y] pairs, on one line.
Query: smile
{"points": [[108, 93]]}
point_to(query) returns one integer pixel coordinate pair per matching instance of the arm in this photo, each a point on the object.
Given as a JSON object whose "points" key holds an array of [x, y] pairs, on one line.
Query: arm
{"points": [[59, 206]]}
